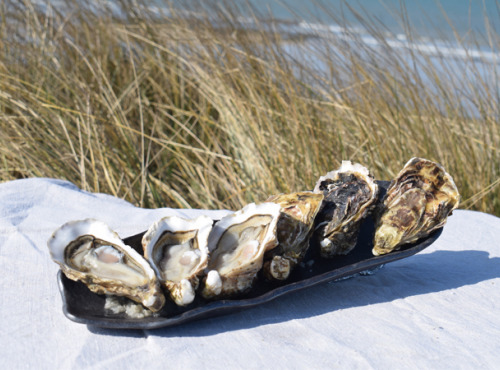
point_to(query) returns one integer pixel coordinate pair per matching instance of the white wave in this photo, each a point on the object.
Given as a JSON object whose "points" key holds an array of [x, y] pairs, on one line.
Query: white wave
{"points": [[424, 47]]}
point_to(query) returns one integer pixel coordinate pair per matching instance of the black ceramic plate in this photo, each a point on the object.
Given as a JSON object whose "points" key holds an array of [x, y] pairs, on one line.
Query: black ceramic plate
{"points": [[83, 306]]}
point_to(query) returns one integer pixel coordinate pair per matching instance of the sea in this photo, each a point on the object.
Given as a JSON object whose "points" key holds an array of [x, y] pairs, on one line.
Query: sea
{"points": [[465, 22], [458, 20], [450, 32]]}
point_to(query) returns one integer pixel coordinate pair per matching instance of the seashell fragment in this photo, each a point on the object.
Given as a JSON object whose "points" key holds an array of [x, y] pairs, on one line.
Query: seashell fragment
{"points": [[350, 193], [177, 250], [418, 201], [295, 226], [237, 244], [90, 252]]}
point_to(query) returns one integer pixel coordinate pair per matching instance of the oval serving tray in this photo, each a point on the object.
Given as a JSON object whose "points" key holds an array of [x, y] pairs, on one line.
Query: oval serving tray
{"points": [[83, 306]]}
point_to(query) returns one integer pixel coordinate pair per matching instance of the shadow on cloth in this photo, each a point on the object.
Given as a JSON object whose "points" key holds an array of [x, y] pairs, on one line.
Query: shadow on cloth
{"points": [[421, 274]]}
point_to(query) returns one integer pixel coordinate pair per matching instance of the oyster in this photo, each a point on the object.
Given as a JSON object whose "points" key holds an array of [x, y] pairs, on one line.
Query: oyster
{"points": [[237, 244], [177, 250], [350, 192], [90, 252], [417, 202], [295, 225]]}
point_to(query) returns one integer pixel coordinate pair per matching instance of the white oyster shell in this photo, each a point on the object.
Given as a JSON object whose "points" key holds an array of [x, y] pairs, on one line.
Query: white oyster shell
{"points": [[237, 244], [177, 250], [90, 252], [350, 193]]}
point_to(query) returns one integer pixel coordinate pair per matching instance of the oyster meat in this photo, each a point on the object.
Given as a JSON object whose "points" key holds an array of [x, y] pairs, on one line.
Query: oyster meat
{"points": [[177, 250], [350, 193], [90, 252], [295, 225], [418, 201], [237, 244]]}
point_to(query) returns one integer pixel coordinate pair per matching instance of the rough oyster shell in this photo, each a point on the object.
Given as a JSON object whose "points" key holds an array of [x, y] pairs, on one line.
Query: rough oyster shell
{"points": [[295, 226], [237, 244], [350, 192], [177, 250], [418, 201], [90, 252]]}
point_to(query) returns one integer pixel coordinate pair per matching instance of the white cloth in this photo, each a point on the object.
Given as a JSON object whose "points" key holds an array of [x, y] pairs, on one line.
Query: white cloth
{"points": [[439, 308]]}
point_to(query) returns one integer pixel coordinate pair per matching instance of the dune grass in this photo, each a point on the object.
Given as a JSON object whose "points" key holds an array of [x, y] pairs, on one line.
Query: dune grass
{"points": [[180, 111]]}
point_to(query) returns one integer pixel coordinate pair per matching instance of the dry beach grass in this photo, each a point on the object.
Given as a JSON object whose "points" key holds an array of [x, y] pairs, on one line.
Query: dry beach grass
{"points": [[182, 112]]}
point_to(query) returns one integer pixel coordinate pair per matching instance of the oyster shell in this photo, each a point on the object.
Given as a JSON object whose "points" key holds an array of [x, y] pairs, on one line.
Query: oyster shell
{"points": [[295, 226], [350, 192], [177, 250], [418, 201], [90, 252], [237, 244]]}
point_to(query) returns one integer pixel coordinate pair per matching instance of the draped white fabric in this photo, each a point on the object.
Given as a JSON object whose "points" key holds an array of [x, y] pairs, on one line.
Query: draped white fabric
{"points": [[439, 308]]}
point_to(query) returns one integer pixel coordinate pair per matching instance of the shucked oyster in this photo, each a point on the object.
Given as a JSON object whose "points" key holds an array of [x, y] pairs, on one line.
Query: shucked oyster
{"points": [[90, 252], [177, 250], [417, 202], [350, 193], [237, 244], [295, 225]]}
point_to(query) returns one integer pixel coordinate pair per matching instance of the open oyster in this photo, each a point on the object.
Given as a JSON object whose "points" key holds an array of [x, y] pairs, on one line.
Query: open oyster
{"points": [[177, 250], [350, 192], [417, 202], [237, 244], [90, 252], [294, 229]]}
